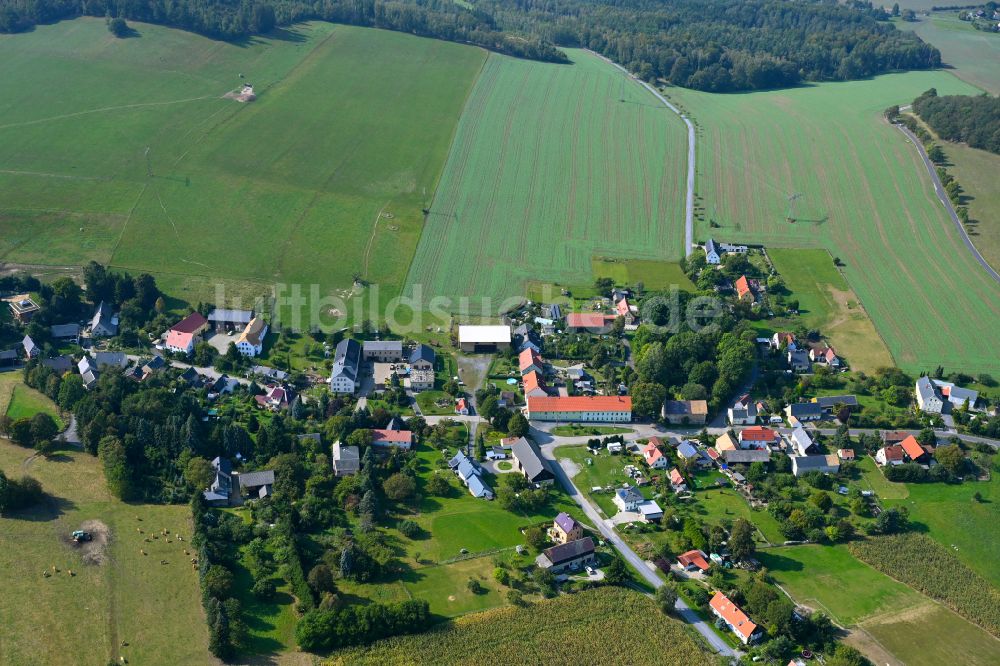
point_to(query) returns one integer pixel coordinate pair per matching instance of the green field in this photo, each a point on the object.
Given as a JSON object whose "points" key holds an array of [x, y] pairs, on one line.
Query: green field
{"points": [[348, 123], [567, 630], [884, 616], [83, 619], [827, 303], [552, 165], [865, 197], [25, 402], [972, 53], [953, 518]]}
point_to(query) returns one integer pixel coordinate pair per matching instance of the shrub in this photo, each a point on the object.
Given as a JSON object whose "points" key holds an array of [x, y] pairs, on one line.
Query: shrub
{"points": [[409, 529]]}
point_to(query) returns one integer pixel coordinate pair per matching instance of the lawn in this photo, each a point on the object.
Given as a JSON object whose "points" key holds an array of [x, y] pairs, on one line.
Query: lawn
{"points": [[427, 400], [865, 197], [826, 303], [26, 402], [831, 579], [577, 153], [953, 518], [654, 275], [971, 53], [342, 147], [83, 619], [575, 628], [584, 430], [718, 504], [604, 470]]}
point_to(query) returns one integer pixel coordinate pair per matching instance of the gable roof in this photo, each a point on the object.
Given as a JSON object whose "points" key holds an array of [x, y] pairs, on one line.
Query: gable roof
{"points": [[532, 381], [254, 479], [629, 494], [675, 477], [695, 557], [725, 443], [585, 320], [912, 447], [926, 388], [685, 407], [801, 409], [743, 287], [64, 330], [686, 450], [190, 324], [569, 551], [622, 307], [831, 401], [391, 437], [565, 522], [747, 456], [179, 339], [59, 364], [422, 353], [801, 440], [230, 316], [711, 246], [893, 452], [346, 359], [383, 345], [527, 358], [253, 333], [758, 434], [530, 457], [580, 403], [103, 317], [29, 345], [733, 616]]}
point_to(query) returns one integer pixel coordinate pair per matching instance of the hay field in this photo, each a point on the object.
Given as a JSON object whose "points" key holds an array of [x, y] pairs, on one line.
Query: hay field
{"points": [[348, 122], [865, 197], [972, 53], [551, 166], [83, 619]]}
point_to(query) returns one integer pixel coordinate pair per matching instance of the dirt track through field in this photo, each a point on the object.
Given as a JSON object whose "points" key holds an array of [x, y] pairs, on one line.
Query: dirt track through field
{"points": [[106, 109]]}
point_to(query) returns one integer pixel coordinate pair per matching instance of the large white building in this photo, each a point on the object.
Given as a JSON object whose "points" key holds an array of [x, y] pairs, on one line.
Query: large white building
{"points": [[346, 361], [484, 339], [588, 409], [251, 340], [927, 396]]}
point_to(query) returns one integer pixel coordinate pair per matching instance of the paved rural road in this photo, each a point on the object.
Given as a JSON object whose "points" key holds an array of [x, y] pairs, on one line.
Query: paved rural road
{"points": [[689, 202], [683, 610], [943, 196]]}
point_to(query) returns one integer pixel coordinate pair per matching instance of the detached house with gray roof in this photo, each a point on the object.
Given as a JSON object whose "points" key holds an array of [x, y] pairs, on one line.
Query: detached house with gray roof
{"points": [[383, 351], [346, 364], [573, 555], [104, 323], [528, 461]]}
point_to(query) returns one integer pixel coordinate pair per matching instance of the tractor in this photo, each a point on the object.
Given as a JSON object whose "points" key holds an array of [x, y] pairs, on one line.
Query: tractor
{"points": [[80, 536]]}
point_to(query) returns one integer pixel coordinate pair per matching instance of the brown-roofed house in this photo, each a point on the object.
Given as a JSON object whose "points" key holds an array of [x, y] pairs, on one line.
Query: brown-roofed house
{"points": [[685, 411]]}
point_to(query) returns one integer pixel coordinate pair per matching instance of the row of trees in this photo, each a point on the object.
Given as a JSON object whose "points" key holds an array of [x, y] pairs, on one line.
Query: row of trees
{"points": [[962, 118]]}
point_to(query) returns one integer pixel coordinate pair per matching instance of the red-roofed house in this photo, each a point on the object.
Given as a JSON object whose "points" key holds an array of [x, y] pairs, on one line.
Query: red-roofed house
{"points": [[890, 455], [712, 453], [693, 559], [787, 339], [462, 407], [276, 398], [530, 361], [180, 342], [592, 409], [757, 437], [824, 355], [735, 618], [402, 439], [534, 387], [589, 322], [654, 456], [913, 450], [845, 454], [744, 290], [182, 336], [624, 311], [677, 480]]}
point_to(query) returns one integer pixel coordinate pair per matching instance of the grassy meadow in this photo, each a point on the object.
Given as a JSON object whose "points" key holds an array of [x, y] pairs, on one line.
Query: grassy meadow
{"points": [[973, 54], [865, 197], [552, 165], [83, 619], [827, 303], [565, 630], [346, 139], [25, 402]]}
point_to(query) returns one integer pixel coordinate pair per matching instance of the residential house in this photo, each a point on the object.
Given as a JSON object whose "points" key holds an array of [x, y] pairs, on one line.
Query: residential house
{"points": [[627, 312], [251, 340], [893, 436], [422, 358], [927, 396], [276, 398], [693, 560], [104, 323], [528, 461], [746, 456], [229, 320], [685, 412], [346, 361], [915, 451], [798, 361], [746, 289], [827, 464], [725, 442], [650, 512], [346, 460], [737, 621], [589, 322], [525, 337], [713, 253], [88, 372], [483, 339], [462, 407], [743, 411], [418, 379], [687, 451], [829, 403], [64, 331], [956, 395], [565, 529], [757, 437], [654, 456], [891, 454], [628, 498], [784, 338], [568, 556], [534, 387], [530, 361], [589, 409], [800, 442], [218, 492], [22, 307], [179, 342], [31, 350], [256, 485], [824, 355], [269, 373], [846, 454], [104, 360], [677, 481], [59, 364], [804, 411], [400, 439], [383, 351], [469, 472]]}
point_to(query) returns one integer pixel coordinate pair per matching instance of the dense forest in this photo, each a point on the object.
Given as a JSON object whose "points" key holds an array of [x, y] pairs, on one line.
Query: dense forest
{"points": [[710, 45], [962, 118]]}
